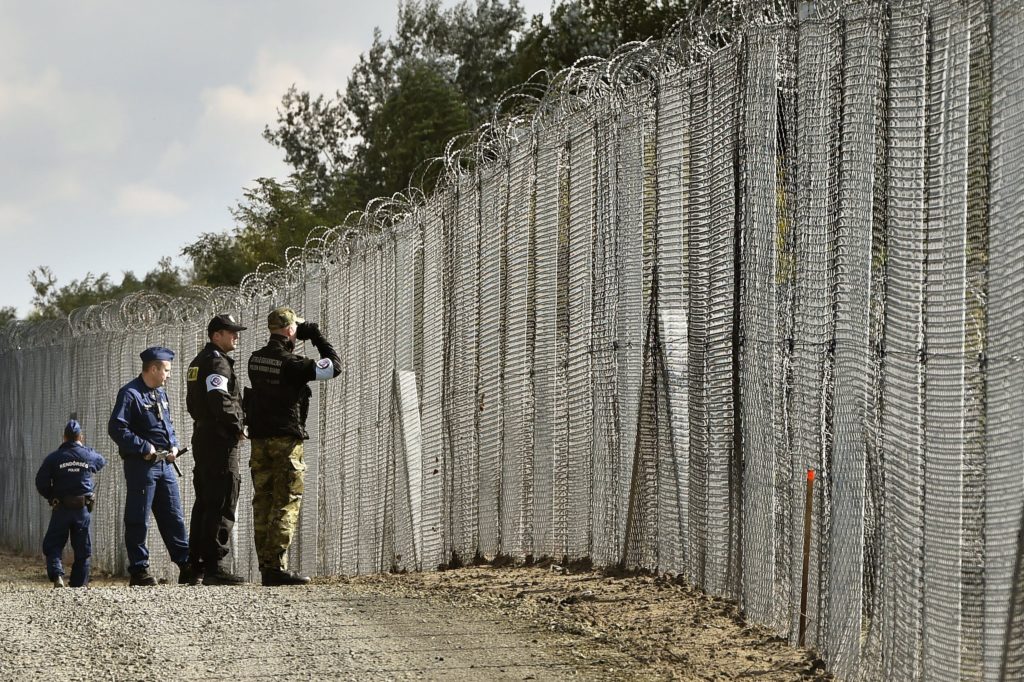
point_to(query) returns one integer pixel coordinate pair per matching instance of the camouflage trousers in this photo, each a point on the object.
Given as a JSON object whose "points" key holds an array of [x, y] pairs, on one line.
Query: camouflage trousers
{"points": [[277, 481]]}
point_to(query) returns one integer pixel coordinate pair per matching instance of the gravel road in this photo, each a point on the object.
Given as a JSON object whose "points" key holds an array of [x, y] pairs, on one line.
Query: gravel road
{"points": [[482, 622], [315, 632]]}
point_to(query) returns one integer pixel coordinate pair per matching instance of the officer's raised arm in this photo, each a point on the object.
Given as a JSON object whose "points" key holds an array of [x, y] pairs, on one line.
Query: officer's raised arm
{"points": [[329, 365]]}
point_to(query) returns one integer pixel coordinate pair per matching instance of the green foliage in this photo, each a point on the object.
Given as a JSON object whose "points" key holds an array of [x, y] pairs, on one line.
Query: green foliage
{"points": [[421, 113], [53, 301], [7, 313]]}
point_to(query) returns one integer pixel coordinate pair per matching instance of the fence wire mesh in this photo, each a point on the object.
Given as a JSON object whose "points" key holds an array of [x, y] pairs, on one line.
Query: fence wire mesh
{"points": [[632, 318]]}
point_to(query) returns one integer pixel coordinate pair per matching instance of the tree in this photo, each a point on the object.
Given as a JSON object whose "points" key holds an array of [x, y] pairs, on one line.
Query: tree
{"points": [[7, 313], [421, 114], [53, 301], [315, 135]]}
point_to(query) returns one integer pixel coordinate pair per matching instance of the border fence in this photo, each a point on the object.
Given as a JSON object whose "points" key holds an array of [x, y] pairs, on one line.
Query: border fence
{"points": [[631, 321]]}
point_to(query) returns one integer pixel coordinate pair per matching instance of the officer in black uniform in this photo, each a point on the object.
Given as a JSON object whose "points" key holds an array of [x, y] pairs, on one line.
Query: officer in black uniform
{"points": [[215, 402]]}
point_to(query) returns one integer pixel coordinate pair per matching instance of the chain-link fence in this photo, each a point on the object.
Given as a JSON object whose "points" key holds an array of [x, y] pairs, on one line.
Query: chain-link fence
{"points": [[630, 323]]}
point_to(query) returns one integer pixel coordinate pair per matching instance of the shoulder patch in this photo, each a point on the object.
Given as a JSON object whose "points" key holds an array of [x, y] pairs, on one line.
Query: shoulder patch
{"points": [[193, 373], [217, 382], [324, 369]]}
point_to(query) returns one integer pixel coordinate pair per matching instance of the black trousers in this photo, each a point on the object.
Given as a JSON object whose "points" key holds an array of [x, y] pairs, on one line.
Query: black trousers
{"points": [[216, 481]]}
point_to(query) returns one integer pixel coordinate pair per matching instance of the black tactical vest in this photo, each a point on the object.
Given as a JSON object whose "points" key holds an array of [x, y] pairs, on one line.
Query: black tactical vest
{"points": [[278, 402]]}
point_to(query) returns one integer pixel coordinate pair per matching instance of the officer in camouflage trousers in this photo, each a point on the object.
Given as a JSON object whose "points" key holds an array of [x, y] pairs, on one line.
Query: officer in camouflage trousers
{"points": [[214, 400], [276, 410]]}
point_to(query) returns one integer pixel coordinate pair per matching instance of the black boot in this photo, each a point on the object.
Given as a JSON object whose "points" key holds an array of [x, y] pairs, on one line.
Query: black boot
{"points": [[142, 578], [58, 581], [222, 577], [190, 575], [272, 577]]}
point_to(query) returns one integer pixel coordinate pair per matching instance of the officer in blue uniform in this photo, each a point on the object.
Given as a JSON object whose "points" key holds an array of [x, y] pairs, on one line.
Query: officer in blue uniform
{"points": [[65, 479], [141, 426]]}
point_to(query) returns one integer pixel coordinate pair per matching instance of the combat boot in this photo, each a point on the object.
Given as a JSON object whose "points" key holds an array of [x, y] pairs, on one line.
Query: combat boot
{"points": [[272, 577], [58, 581], [189, 575], [142, 579], [220, 577]]}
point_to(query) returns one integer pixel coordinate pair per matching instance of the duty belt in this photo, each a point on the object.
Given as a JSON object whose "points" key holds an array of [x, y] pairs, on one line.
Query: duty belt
{"points": [[75, 501]]}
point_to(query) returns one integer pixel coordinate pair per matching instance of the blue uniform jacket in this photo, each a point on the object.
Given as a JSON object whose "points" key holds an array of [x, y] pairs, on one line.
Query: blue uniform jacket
{"points": [[141, 416], [68, 471]]}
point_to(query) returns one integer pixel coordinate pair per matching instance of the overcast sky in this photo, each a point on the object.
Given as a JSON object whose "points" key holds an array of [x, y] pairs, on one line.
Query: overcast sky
{"points": [[129, 128]]}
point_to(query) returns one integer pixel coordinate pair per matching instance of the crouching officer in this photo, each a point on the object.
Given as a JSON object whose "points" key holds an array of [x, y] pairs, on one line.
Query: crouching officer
{"points": [[214, 400], [65, 479], [142, 428], [276, 409]]}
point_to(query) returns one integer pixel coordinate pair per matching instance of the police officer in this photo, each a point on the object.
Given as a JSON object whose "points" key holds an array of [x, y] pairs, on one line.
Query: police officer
{"points": [[65, 479], [276, 409], [214, 400], [142, 428]]}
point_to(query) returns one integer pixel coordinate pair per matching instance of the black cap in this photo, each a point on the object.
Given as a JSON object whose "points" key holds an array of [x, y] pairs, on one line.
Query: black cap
{"points": [[224, 321]]}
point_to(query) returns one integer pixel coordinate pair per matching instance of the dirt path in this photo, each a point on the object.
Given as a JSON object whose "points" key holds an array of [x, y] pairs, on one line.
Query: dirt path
{"points": [[473, 623]]}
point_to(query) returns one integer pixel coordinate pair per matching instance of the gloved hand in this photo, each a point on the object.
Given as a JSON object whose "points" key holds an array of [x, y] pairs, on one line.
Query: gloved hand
{"points": [[307, 330]]}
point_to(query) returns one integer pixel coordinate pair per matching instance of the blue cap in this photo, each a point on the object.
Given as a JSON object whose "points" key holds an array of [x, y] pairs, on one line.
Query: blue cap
{"points": [[72, 429], [157, 353]]}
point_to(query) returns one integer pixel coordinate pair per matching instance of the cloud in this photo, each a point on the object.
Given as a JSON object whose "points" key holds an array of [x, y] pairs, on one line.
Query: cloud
{"points": [[137, 200], [255, 103], [14, 216]]}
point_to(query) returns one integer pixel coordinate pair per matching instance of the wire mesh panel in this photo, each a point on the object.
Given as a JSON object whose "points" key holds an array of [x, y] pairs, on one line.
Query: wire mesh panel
{"points": [[761, 395], [817, 142], [517, 404], [724, 464], [698, 266], [493, 201], [368, 486], [312, 452], [626, 157], [407, 521], [354, 326], [545, 388], [607, 469], [1004, 464], [672, 298], [975, 338], [388, 457], [333, 418], [902, 417], [465, 452], [579, 389], [861, 91], [431, 380], [946, 172]]}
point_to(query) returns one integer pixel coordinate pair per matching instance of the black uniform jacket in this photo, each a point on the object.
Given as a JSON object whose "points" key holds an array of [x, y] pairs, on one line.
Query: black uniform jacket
{"points": [[214, 398], [278, 402]]}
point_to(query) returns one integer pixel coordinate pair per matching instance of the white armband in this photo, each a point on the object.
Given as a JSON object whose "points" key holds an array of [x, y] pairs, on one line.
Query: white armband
{"points": [[324, 369], [217, 382]]}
